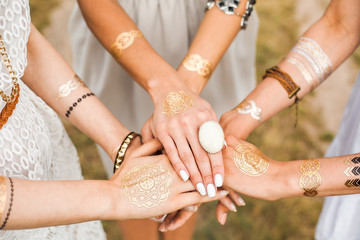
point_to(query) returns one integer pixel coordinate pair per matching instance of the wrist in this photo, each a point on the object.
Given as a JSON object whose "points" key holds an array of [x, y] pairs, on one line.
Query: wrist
{"points": [[161, 84], [193, 80], [287, 180]]}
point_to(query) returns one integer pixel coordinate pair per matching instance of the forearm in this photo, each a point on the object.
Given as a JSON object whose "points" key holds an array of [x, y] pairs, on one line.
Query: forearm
{"points": [[50, 203], [251, 172], [47, 72], [214, 36], [340, 24], [140, 60]]}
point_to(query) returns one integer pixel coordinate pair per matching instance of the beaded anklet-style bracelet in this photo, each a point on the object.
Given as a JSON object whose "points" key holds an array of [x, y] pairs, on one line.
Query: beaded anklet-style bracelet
{"points": [[68, 112], [11, 204]]}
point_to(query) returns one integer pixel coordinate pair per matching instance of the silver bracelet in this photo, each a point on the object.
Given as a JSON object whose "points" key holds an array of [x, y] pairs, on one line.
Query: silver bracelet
{"points": [[229, 7], [249, 8]]}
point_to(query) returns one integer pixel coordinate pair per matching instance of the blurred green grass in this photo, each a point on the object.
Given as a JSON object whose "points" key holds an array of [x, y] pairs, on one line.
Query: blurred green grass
{"points": [[284, 219]]}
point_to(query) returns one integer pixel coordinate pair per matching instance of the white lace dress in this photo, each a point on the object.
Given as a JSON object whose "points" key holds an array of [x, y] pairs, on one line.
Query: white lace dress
{"points": [[33, 143]]}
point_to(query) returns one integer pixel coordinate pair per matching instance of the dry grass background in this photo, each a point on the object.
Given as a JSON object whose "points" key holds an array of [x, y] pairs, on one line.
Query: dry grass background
{"points": [[284, 219]]}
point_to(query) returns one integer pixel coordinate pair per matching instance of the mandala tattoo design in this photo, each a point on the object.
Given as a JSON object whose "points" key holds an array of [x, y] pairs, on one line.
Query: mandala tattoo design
{"points": [[3, 194], [250, 160], [310, 179], [147, 185], [123, 41], [176, 102]]}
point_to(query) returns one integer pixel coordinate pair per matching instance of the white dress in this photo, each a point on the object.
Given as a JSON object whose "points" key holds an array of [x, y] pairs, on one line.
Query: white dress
{"points": [[33, 143], [169, 26], [340, 216]]}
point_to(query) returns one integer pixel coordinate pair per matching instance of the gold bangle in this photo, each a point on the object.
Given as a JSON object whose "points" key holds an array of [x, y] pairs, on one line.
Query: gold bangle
{"points": [[195, 63], [123, 41], [119, 159]]}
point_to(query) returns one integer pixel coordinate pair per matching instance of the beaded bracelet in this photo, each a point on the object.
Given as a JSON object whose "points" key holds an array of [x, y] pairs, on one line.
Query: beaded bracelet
{"points": [[68, 112], [11, 204], [119, 159]]}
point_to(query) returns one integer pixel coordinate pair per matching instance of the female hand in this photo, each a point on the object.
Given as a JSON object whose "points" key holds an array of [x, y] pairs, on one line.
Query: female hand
{"points": [[147, 186], [251, 172], [177, 117]]}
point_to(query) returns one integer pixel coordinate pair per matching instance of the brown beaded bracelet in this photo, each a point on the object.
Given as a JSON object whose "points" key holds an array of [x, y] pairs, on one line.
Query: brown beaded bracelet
{"points": [[68, 112], [11, 203], [119, 159]]}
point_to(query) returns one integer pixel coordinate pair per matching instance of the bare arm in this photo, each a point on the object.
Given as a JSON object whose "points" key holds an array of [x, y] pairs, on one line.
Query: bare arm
{"points": [[338, 35], [47, 72], [271, 180], [49, 203]]}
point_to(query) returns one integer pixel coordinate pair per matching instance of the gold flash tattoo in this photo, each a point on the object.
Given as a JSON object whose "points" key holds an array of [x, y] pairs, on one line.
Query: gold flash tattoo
{"points": [[69, 86], [123, 41], [196, 63], [250, 160], [310, 179], [147, 185], [176, 102]]}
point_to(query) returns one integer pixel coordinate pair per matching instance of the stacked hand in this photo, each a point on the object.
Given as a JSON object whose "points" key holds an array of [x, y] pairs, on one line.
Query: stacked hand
{"points": [[177, 117]]}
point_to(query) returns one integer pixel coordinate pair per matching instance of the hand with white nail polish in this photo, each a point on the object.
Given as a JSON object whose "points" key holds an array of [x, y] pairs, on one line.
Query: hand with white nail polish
{"points": [[153, 175], [178, 115]]}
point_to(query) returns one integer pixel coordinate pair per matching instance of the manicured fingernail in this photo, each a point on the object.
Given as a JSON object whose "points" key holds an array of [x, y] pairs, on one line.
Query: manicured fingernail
{"points": [[241, 201], [223, 193], [162, 227], [170, 225], [223, 218], [232, 207], [218, 180], [211, 190], [225, 144], [184, 175], [201, 188], [191, 208]]}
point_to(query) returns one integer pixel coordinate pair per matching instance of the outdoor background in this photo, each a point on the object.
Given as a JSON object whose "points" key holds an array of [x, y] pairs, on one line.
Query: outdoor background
{"points": [[281, 22]]}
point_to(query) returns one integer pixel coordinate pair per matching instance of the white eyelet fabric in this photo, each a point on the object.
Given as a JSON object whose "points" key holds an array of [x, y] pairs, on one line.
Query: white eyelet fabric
{"points": [[33, 143]]}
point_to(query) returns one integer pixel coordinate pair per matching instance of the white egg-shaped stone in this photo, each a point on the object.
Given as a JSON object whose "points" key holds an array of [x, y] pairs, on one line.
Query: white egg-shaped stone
{"points": [[211, 136]]}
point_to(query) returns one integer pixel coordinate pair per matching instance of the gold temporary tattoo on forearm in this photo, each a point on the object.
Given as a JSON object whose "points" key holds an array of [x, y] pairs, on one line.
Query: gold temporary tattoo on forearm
{"points": [[352, 171], [249, 107], [310, 179], [176, 102], [3, 194], [250, 160], [123, 41], [147, 185], [196, 63], [69, 86]]}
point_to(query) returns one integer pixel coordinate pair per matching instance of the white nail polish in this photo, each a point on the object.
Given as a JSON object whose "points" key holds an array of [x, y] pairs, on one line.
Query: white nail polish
{"points": [[241, 201], [201, 188], [211, 190], [232, 207], [184, 175], [218, 180]]}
